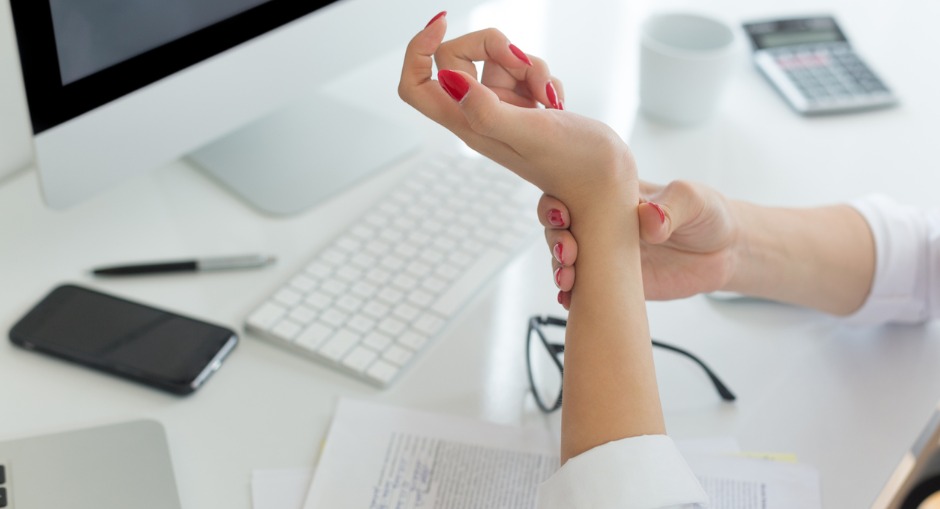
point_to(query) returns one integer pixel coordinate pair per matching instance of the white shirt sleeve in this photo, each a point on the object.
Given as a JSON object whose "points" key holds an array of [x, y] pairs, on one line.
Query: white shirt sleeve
{"points": [[644, 472], [906, 286]]}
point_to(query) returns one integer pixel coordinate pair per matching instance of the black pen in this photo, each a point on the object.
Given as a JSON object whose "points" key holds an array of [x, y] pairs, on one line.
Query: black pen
{"points": [[197, 265]]}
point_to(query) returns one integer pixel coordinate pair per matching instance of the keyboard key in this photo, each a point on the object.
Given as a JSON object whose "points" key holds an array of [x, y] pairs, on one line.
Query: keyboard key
{"points": [[302, 315], [349, 273], [406, 250], [398, 355], [392, 326], [382, 372], [434, 284], [418, 269], [419, 238], [390, 295], [360, 358], [334, 287], [378, 276], [377, 341], [288, 297], [429, 324], [414, 340], [406, 312], [421, 298], [432, 256], [349, 303], [318, 300], [361, 324], [377, 247], [333, 317], [313, 336], [266, 316], [286, 330], [337, 346], [363, 261], [364, 289], [393, 263], [376, 309], [404, 282]]}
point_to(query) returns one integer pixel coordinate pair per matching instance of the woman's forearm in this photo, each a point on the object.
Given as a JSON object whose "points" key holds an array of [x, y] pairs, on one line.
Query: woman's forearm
{"points": [[822, 257], [610, 387]]}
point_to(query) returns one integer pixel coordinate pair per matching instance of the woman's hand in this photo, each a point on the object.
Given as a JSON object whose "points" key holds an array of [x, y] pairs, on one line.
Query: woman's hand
{"points": [[689, 240], [609, 384], [579, 160]]}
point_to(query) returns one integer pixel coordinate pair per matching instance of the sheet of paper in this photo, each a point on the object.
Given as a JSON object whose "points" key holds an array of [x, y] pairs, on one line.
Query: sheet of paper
{"points": [[379, 457], [734, 482], [382, 457]]}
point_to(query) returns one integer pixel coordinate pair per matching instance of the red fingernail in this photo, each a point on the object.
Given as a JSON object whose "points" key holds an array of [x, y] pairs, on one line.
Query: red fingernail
{"points": [[520, 54], [553, 96], [662, 213], [453, 83], [435, 18], [558, 277], [558, 252], [555, 218], [559, 297]]}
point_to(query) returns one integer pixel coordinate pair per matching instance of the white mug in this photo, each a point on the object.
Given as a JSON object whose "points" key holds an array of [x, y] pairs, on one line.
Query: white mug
{"points": [[685, 61]]}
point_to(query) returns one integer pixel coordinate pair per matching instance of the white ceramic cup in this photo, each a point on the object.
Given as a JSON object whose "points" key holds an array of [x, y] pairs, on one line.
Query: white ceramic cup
{"points": [[685, 61]]}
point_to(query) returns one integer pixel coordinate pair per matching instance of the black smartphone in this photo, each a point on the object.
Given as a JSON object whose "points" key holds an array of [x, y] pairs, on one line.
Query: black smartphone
{"points": [[156, 347]]}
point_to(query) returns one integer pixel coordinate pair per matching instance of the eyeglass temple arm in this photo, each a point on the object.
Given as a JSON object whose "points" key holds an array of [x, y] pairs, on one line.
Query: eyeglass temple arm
{"points": [[722, 389]]}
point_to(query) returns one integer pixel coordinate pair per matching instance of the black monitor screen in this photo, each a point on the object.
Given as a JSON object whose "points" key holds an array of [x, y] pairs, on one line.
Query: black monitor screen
{"points": [[92, 35], [77, 55]]}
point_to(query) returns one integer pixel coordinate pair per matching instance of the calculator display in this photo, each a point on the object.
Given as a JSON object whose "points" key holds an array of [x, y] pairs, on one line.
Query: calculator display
{"points": [[791, 32], [773, 40]]}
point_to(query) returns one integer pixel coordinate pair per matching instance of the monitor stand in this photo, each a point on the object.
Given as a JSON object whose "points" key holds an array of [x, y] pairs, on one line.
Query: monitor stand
{"points": [[289, 161]]}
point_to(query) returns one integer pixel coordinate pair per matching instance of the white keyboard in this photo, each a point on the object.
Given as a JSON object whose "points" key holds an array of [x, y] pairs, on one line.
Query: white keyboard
{"points": [[377, 296]]}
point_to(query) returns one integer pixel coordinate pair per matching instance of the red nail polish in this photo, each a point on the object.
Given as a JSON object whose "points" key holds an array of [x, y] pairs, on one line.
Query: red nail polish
{"points": [[662, 213], [453, 83], [558, 252], [554, 218], [559, 297], [520, 54], [553, 96], [435, 18], [558, 277]]}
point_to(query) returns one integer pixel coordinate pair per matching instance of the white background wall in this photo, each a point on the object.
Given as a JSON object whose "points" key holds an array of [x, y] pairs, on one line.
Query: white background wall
{"points": [[15, 149]]}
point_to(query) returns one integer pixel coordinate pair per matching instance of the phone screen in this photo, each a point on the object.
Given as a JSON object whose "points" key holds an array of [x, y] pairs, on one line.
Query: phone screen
{"points": [[157, 347]]}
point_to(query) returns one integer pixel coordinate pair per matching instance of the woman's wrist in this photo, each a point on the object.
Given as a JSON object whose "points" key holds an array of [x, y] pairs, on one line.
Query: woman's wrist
{"points": [[747, 255], [821, 257]]}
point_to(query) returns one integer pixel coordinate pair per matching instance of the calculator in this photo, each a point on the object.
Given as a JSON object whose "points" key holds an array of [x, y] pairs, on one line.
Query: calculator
{"points": [[813, 66]]}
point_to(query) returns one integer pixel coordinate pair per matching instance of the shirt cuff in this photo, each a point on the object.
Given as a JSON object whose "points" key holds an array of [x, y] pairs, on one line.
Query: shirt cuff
{"points": [[899, 289], [636, 472]]}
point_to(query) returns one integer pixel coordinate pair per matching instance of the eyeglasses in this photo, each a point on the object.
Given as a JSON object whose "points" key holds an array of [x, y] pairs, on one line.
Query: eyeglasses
{"points": [[544, 359]]}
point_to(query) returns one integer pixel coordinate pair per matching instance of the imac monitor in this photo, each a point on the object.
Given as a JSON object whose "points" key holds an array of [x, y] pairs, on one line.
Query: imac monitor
{"points": [[117, 87]]}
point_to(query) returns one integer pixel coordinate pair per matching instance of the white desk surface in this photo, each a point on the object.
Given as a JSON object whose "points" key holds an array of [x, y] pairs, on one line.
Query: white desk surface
{"points": [[847, 400]]}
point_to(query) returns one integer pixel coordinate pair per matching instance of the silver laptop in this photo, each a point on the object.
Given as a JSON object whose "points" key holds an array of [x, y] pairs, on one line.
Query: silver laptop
{"points": [[120, 466]]}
